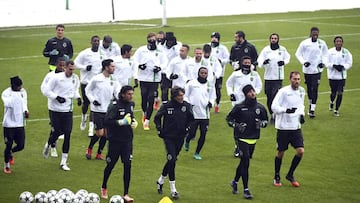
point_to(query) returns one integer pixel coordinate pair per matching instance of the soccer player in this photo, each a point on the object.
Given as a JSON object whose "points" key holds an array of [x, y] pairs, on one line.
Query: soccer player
{"points": [[288, 106], [15, 114], [125, 69], [312, 54], [339, 62], [246, 118], [88, 62], [201, 95], [120, 121], [172, 122], [58, 46], [242, 48], [101, 90], [177, 67], [62, 89], [221, 52], [60, 65], [108, 48], [273, 58], [150, 61]]}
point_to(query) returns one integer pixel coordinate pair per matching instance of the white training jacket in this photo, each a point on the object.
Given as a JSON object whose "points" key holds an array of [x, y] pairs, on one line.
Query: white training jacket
{"points": [[178, 66], [85, 58], [111, 51], [199, 95], [44, 83], [237, 81], [151, 58], [342, 57], [125, 70], [212, 64], [66, 87], [102, 89], [15, 105], [313, 52], [288, 98], [272, 70], [221, 52]]}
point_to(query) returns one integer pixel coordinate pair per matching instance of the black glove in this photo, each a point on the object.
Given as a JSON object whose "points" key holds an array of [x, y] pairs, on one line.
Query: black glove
{"points": [[136, 82], [79, 102], [267, 61], [302, 119], [96, 103], [174, 76], [27, 114], [160, 133], [88, 67], [281, 63], [156, 69], [292, 110], [307, 64], [142, 66], [241, 127], [232, 97], [60, 99], [209, 105], [260, 124], [220, 61], [338, 67], [321, 65]]}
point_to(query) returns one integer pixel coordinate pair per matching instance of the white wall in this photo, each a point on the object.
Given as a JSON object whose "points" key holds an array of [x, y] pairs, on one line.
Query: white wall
{"points": [[41, 12]]}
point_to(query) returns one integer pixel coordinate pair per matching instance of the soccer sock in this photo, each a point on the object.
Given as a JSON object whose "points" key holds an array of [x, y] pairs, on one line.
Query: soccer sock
{"points": [[277, 166], [146, 122], [7, 165], [64, 157], [172, 186], [312, 107], [294, 163], [84, 117], [161, 179], [338, 101], [102, 143], [93, 140]]}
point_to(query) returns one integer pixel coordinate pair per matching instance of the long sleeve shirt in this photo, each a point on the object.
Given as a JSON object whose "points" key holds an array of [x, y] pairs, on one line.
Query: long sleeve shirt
{"points": [[111, 51], [63, 46], [85, 58], [342, 57], [312, 52], [221, 52], [125, 70], [178, 66], [288, 98], [272, 70], [15, 105]]}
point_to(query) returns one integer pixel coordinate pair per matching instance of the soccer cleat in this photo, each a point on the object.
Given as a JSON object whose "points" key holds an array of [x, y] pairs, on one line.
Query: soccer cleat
{"points": [[331, 106], [293, 181], [146, 126], [247, 194], [156, 104], [336, 113], [197, 156], [7, 170], [217, 109], [277, 182], [53, 152], [64, 167], [12, 160], [175, 195], [311, 114], [88, 153], [104, 193], [83, 125], [186, 146], [127, 198], [159, 187], [233, 184], [46, 151], [99, 157], [236, 152]]}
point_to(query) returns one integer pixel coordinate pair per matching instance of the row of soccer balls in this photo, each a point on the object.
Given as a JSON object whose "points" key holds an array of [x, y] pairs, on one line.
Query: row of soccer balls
{"points": [[65, 196]]}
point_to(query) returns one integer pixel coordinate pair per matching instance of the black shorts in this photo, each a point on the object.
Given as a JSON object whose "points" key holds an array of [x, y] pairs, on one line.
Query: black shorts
{"points": [[122, 149], [272, 86], [98, 119], [286, 137], [62, 121], [244, 148], [337, 85], [312, 79]]}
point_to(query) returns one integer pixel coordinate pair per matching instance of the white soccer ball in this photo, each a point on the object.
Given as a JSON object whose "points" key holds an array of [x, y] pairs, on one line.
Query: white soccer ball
{"points": [[82, 192], [93, 198], [41, 197], [116, 199], [26, 197], [78, 198], [51, 193]]}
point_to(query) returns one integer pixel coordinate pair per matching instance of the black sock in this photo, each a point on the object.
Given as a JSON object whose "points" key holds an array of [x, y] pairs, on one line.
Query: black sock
{"points": [[93, 140], [294, 163], [277, 166]]}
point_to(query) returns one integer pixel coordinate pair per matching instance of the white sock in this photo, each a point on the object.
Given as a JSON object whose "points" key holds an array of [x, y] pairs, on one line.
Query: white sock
{"points": [[161, 179], [146, 122], [7, 165], [312, 107], [84, 117], [172, 186], [64, 157], [91, 126]]}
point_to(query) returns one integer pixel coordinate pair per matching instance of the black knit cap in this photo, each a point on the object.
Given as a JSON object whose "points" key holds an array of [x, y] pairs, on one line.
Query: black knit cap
{"points": [[15, 81], [247, 89]]}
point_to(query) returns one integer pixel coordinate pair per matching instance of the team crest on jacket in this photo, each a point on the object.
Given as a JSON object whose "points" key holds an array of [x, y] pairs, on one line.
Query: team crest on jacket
{"points": [[183, 108], [257, 111], [246, 50], [64, 44]]}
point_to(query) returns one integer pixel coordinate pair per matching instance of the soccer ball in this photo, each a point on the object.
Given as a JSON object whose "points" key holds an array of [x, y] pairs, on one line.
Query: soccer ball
{"points": [[41, 197], [77, 198], [26, 197], [51, 193], [82, 192], [116, 199], [93, 198], [65, 197]]}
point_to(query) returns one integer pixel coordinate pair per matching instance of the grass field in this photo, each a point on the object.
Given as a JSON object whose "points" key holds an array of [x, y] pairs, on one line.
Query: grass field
{"points": [[329, 171]]}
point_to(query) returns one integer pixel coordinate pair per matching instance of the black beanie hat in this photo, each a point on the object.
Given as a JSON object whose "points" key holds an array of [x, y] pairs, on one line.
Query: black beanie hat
{"points": [[15, 81], [247, 88]]}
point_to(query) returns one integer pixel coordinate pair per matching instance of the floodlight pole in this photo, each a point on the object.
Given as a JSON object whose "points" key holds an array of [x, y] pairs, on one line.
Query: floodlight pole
{"points": [[113, 10], [67, 4], [164, 23]]}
